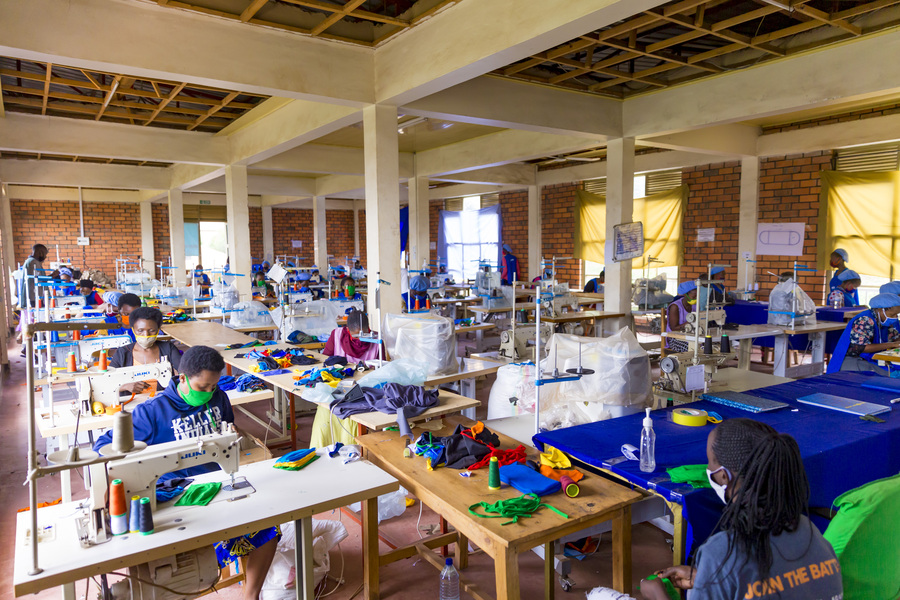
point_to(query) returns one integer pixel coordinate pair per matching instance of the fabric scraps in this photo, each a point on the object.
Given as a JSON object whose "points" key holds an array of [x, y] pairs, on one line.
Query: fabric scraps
{"points": [[504, 457], [200, 494], [527, 480], [226, 383], [332, 376], [176, 316], [249, 383], [296, 460], [554, 458], [557, 474], [513, 508], [695, 475], [299, 337], [171, 488]]}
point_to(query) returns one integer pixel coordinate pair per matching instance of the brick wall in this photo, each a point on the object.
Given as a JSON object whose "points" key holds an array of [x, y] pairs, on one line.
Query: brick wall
{"points": [[290, 224], [514, 211], [113, 228], [789, 193], [257, 250], [557, 229], [339, 228], [434, 220], [714, 201], [363, 248], [161, 243], [856, 115]]}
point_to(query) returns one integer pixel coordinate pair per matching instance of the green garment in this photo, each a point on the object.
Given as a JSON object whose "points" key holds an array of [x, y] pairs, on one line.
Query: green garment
{"points": [[692, 474], [671, 591], [199, 494]]}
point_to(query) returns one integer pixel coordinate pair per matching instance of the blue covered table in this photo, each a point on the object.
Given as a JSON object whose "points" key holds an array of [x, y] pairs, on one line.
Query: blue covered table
{"points": [[840, 451]]}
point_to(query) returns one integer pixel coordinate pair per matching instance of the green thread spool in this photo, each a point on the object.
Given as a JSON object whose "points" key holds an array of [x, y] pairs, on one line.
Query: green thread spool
{"points": [[494, 474]]}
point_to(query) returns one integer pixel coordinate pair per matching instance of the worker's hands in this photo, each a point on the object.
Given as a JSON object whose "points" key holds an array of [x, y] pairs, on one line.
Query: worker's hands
{"points": [[681, 576], [138, 387]]}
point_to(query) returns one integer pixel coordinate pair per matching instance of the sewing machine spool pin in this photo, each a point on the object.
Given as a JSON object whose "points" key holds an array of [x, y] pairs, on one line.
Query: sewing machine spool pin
{"points": [[580, 370]]}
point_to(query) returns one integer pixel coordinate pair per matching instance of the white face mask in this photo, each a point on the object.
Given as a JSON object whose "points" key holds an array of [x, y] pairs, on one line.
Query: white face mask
{"points": [[719, 489]]}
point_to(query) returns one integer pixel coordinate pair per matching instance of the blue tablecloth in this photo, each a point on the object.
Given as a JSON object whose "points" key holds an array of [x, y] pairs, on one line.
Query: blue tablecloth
{"points": [[744, 312], [840, 451]]}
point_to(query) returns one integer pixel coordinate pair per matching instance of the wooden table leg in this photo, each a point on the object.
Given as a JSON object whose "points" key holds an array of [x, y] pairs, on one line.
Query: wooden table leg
{"points": [[549, 571], [371, 560], [506, 572], [678, 540], [462, 551], [445, 552], [621, 542]]}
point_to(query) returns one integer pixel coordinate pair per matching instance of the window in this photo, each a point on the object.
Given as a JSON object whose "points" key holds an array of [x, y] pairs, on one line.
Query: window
{"points": [[883, 157], [468, 236]]}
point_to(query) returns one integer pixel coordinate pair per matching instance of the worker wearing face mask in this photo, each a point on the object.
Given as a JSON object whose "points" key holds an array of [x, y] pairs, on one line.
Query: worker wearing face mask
{"points": [[838, 262], [145, 325], [676, 314], [869, 332], [845, 295]]}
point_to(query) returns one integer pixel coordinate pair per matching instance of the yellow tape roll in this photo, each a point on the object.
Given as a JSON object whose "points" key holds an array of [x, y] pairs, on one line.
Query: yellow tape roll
{"points": [[690, 417]]}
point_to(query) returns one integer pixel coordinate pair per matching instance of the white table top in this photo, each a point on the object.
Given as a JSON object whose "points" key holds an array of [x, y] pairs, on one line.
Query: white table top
{"points": [[470, 367], [742, 332], [280, 496], [819, 327]]}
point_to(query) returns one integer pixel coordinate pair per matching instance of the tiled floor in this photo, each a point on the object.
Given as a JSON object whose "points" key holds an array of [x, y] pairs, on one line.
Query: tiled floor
{"points": [[405, 579]]}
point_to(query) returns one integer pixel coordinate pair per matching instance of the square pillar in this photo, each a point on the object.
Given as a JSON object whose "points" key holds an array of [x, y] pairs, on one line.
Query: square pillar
{"points": [[176, 236], [418, 245], [268, 236], [382, 158], [148, 254], [747, 225], [320, 234], [619, 209], [534, 232], [237, 210], [356, 229]]}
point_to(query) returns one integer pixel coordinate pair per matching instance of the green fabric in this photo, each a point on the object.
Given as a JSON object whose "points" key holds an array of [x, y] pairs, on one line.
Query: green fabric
{"points": [[864, 537], [671, 591], [199, 494], [692, 474], [513, 508]]}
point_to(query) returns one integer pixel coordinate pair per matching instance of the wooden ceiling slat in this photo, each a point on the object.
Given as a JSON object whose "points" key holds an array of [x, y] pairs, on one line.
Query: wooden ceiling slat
{"points": [[743, 18], [360, 14], [47, 78], [85, 110], [252, 9], [109, 96], [862, 9], [609, 72], [787, 31], [213, 110], [823, 17], [164, 102], [335, 17]]}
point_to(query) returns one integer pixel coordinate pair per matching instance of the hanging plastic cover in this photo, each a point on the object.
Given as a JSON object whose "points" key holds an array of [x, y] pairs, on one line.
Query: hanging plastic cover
{"points": [[426, 338], [513, 392], [224, 296], [789, 300], [249, 314]]}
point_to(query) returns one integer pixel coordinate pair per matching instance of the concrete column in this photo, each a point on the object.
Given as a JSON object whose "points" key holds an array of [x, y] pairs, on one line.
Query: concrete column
{"points": [[382, 205], [176, 235], [148, 254], [268, 236], [534, 232], [6, 265], [749, 212], [237, 211], [320, 234], [619, 209], [418, 245], [356, 228]]}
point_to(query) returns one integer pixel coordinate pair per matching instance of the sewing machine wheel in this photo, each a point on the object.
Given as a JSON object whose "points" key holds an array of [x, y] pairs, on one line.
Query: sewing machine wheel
{"points": [[580, 371], [668, 365]]}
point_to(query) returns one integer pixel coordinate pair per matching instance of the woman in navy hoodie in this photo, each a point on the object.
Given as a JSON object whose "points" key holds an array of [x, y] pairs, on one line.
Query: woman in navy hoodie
{"points": [[193, 405]]}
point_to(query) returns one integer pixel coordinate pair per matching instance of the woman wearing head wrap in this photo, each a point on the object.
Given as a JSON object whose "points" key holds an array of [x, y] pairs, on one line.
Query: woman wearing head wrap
{"points": [[418, 292], [676, 314], [845, 295], [869, 332], [839, 259]]}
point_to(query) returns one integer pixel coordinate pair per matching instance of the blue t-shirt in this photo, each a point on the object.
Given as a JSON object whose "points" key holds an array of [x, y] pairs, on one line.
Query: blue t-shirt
{"points": [[167, 418]]}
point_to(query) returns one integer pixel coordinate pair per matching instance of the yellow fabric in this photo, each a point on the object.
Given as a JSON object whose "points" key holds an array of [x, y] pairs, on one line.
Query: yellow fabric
{"points": [[861, 214], [345, 430], [555, 459], [662, 215]]}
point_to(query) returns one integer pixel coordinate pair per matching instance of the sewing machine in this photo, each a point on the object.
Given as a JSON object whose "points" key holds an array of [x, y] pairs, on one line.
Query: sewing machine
{"points": [[104, 387], [705, 321], [514, 342], [487, 287], [139, 472], [555, 297], [673, 369]]}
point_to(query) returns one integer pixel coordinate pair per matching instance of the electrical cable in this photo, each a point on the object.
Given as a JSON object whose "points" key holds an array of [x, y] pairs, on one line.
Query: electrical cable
{"points": [[170, 590]]}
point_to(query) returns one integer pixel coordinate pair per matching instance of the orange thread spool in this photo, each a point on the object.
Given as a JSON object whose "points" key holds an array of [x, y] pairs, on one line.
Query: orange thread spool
{"points": [[117, 504], [428, 303], [76, 335], [52, 302], [417, 304], [70, 363], [104, 361]]}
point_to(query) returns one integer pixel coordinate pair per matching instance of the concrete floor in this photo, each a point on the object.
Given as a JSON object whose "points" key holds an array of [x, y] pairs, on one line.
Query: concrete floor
{"points": [[406, 579]]}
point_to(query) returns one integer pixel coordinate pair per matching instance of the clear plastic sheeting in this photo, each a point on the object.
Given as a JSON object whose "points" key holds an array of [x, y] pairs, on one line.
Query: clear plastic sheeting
{"points": [[426, 338], [280, 581], [405, 371], [390, 505], [249, 314], [619, 385], [651, 292], [513, 392], [317, 318], [224, 296], [788, 300]]}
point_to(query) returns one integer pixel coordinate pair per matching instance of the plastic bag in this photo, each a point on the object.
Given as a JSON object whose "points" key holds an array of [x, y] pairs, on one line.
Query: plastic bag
{"points": [[788, 299], [280, 580], [389, 505], [427, 338], [249, 314], [224, 296], [405, 371], [319, 317], [321, 393], [513, 391]]}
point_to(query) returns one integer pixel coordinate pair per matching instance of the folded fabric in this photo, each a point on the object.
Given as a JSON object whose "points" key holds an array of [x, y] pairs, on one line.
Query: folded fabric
{"points": [[174, 482], [226, 383], [695, 475], [557, 474], [555, 459], [528, 481], [296, 460], [200, 494], [299, 337], [166, 495], [504, 457]]}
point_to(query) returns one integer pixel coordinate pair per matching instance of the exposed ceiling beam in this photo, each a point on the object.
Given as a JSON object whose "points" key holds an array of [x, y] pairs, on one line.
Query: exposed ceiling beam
{"points": [[827, 137], [57, 172], [336, 16], [252, 9], [231, 96], [109, 96], [722, 140], [46, 88], [165, 102]]}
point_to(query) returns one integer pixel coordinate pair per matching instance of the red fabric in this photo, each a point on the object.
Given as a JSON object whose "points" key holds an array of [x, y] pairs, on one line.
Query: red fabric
{"points": [[504, 457]]}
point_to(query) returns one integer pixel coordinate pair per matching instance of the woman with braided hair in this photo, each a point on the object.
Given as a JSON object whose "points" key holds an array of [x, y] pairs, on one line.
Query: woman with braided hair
{"points": [[765, 547]]}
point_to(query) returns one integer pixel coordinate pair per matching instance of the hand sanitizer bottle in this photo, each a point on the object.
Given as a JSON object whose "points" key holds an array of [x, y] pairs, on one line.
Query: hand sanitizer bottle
{"points": [[648, 445]]}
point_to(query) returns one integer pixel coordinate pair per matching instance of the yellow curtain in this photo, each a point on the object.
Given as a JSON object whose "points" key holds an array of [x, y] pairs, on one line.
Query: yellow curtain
{"points": [[661, 214], [860, 212]]}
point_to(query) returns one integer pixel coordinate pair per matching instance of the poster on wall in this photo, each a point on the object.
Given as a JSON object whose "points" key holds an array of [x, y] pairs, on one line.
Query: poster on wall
{"points": [[296, 243], [780, 239], [628, 241]]}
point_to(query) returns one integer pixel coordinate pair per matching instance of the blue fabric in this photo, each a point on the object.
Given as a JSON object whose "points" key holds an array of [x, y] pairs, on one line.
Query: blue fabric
{"points": [[885, 300], [234, 548], [686, 286], [166, 418], [744, 312], [404, 227], [840, 451], [716, 270], [891, 287], [527, 480]]}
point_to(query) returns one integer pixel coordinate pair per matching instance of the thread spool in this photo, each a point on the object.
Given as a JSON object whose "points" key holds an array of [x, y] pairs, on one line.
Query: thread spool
{"points": [[417, 304], [54, 337], [707, 345], [494, 474], [145, 517], [104, 360], [428, 303], [117, 504], [123, 432], [725, 344], [569, 487], [70, 363], [52, 302], [134, 524], [76, 335]]}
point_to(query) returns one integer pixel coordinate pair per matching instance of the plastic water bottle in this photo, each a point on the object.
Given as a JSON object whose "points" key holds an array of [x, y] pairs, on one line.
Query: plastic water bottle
{"points": [[648, 445], [449, 582]]}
